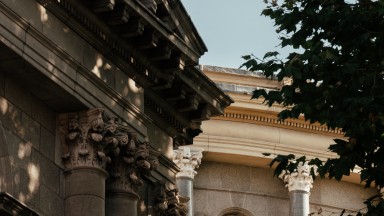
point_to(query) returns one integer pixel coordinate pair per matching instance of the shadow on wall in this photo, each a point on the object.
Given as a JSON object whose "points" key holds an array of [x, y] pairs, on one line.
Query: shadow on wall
{"points": [[5, 165], [19, 176]]}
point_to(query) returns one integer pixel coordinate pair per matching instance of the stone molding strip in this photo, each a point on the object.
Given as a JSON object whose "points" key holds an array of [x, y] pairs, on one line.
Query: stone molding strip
{"points": [[255, 148], [273, 120], [10, 206]]}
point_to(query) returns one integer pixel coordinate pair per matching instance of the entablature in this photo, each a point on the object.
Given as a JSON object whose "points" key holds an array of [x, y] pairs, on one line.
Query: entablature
{"points": [[156, 44]]}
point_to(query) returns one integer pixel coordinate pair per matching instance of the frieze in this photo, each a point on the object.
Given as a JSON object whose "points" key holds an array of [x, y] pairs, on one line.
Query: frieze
{"points": [[263, 119]]}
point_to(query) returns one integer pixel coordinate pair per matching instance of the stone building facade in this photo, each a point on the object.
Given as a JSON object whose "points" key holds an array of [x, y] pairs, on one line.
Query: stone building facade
{"points": [[100, 101], [234, 177], [94, 97]]}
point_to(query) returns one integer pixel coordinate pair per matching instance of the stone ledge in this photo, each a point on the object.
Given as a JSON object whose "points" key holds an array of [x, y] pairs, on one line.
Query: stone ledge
{"points": [[9, 206]]}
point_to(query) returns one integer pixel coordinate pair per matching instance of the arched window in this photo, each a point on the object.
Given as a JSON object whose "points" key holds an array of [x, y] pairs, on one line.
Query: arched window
{"points": [[235, 211]]}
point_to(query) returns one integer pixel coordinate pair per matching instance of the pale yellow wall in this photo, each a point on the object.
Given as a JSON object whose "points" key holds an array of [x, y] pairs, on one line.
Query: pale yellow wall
{"points": [[235, 173], [219, 186]]}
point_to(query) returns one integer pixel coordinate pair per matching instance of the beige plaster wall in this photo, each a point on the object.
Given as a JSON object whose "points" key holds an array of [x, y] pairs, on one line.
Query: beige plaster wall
{"points": [[219, 186], [29, 128], [254, 139]]}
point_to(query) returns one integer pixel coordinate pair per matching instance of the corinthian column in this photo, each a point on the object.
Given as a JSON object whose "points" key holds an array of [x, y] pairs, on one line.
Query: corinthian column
{"points": [[127, 166], [299, 184], [188, 159], [84, 138]]}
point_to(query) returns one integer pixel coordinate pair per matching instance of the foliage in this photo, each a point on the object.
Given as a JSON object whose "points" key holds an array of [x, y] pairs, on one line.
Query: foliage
{"points": [[337, 78]]}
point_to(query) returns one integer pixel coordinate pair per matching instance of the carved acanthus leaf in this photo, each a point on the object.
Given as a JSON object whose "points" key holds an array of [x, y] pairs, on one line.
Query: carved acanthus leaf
{"points": [[188, 159], [85, 140], [301, 178], [169, 202], [91, 138], [129, 164]]}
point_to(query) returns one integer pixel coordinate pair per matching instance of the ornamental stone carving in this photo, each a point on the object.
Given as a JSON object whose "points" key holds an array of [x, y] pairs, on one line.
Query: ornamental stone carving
{"points": [[128, 164], [300, 179], [188, 159], [87, 138], [168, 202], [91, 138]]}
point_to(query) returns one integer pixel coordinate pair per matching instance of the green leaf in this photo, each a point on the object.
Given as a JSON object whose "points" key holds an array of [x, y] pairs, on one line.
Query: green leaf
{"points": [[270, 54], [337, 80], [342, 212]]}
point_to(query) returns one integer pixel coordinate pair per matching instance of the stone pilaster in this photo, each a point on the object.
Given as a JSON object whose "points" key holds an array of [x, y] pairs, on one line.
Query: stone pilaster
{"points": [[188, 159], [299, 184]]}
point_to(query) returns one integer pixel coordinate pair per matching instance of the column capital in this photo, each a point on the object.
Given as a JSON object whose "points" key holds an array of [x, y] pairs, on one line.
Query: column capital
{"points": [[169, 202], [188, 159], [87, 137], [300, 178], [129, 165], [93, 139]]}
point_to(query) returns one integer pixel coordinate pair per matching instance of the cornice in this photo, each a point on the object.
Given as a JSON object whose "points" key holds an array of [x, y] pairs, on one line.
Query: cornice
{"points": [[269, 118], [239, 77], [163, 29], [207, 89], [187, 23], [137, 63], [64, 56], [240, 84], [187, 27]]}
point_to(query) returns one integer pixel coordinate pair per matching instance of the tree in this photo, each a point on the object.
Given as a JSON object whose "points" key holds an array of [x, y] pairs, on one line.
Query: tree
{"points": [[337, 78]]}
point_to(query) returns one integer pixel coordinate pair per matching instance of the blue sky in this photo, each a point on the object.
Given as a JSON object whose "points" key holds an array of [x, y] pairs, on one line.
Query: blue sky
{"points": [[231, 29]]}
